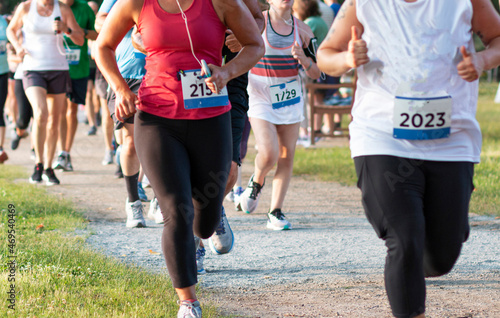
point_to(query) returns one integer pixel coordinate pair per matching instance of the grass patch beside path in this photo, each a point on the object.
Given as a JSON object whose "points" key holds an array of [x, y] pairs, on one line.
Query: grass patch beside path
{"points": [[57, 274], [336, 165]]}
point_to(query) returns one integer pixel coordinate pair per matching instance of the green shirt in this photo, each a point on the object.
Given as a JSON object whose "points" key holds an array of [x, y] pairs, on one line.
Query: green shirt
{"points": [[78, 59], [318, 27]]}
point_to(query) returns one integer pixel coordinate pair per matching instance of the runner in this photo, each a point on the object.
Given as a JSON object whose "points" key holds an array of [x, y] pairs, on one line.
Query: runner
{"points": [[79, 71], [276, 106], [183, 122], [131, 66], [223, 239], [4, 83], [414, 136], [46, 75]]}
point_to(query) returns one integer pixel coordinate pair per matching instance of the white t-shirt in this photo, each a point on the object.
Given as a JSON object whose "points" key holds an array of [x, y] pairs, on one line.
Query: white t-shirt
{"points": [[414, 49]]}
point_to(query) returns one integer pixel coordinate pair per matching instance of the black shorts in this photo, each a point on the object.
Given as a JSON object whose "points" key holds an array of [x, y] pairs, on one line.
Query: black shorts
{"points": [[92, 74], [78, 90], [134, 85], [55, 82], [238, 97]]}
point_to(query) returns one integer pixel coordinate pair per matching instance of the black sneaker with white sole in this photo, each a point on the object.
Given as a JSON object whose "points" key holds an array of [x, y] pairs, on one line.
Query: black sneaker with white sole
{"points": [[50, 177], [36, 177]]}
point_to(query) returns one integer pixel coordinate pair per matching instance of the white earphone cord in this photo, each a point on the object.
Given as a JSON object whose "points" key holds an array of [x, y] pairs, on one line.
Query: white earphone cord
{"points": [[187, 29]]}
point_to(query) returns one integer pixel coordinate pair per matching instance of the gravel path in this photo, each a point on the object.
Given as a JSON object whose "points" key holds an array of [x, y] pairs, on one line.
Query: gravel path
{"points": [[329, 265]]}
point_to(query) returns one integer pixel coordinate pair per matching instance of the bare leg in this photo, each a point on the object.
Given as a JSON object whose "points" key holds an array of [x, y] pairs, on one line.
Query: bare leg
{"points": [[55, 104], [89, 103], [266, 137], [63, 126], [107, 125], [287, 137], [128, 157], [37, 97], [186, 293], [72, 122]]}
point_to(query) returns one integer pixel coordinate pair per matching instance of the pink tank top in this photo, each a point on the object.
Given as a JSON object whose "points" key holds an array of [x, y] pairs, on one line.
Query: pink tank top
{"points": [[166, 41]]}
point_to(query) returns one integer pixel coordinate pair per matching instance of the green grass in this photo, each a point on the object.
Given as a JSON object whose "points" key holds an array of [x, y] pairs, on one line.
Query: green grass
{"points": [[58, 275], [335, 164]]}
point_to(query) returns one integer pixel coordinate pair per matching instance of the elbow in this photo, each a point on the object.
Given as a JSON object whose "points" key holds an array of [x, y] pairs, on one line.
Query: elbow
{"points": [[261, 50]]}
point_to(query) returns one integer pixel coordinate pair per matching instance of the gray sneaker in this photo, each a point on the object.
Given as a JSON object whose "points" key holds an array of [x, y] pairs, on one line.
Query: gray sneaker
{"points": [[249, 199], [108, 157], [200, 257], [60, 163], [222, 241], [188, 309], [135, 212]]}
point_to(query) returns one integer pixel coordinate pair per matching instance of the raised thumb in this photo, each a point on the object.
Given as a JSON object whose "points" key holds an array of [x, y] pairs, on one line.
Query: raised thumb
{"points": [[354, 33], [464, 52]]}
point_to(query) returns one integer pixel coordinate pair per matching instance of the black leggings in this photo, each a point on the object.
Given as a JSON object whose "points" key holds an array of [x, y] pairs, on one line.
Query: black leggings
{"points": [[187, 163], [4, 87], [23, 106], [420, 209]]}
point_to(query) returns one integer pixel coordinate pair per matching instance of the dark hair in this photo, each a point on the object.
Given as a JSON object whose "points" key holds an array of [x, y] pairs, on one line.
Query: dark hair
{"points": [[309, 8]]}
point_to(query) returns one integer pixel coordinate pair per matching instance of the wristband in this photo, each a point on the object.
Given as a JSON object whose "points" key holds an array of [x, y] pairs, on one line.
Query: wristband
{"points": [[69, 31], [310, 65]]}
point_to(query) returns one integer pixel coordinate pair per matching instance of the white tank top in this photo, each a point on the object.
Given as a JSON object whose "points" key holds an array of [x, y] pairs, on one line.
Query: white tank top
{"points": [[274, 84], [414, 49], [43, 46]]}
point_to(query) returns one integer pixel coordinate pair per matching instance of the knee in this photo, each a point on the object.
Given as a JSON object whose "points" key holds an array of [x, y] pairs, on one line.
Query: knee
{"points": [[268, 158], [439, 264], [41, 117], [128, 146]]}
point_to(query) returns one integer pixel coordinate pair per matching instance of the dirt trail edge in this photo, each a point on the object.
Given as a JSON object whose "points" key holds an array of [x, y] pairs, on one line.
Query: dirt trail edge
{"points": [[330, 264]]}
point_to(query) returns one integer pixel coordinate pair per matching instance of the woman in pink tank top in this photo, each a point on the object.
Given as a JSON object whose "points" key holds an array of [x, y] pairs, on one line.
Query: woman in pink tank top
{"points": [[182, 130]]}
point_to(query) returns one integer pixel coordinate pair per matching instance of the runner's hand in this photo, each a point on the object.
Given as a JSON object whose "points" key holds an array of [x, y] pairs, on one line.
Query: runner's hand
{"points": [[218, 80], [232, 43], [125, 105], [299, 55], [357, 51], [471, 67]]}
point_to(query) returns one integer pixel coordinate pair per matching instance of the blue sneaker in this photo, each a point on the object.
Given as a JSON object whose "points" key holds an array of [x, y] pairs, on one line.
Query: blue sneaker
{"points": [[222, 241], [142, 193], [200, 257]]}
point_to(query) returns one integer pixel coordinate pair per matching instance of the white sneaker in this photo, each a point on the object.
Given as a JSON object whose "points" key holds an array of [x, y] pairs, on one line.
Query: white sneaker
{"points": [[189, 309], [200, 257], [276, 221], [249, 199], [154, 212], [135, 212], [230, 196]]}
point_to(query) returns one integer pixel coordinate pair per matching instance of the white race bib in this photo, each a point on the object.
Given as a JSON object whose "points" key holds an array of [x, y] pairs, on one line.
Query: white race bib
{"points": [[196, 93], [3, 47], [73, 56], [285, 94], [422, 118]]}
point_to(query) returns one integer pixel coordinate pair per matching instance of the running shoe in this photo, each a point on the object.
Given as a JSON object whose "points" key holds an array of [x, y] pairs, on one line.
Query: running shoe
{"points": [[276, 221], [3, 156], [237, 196], [200, 257], [118, 172], [249, 199], [69, 166], [142, 193], [15, 141], [108, 158], [92, 131], [60, 163], [222, 241], [145, 182], [154, 212], [50, 177], [135, 216], [36, 177], [189, 309], [230, 196]]}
